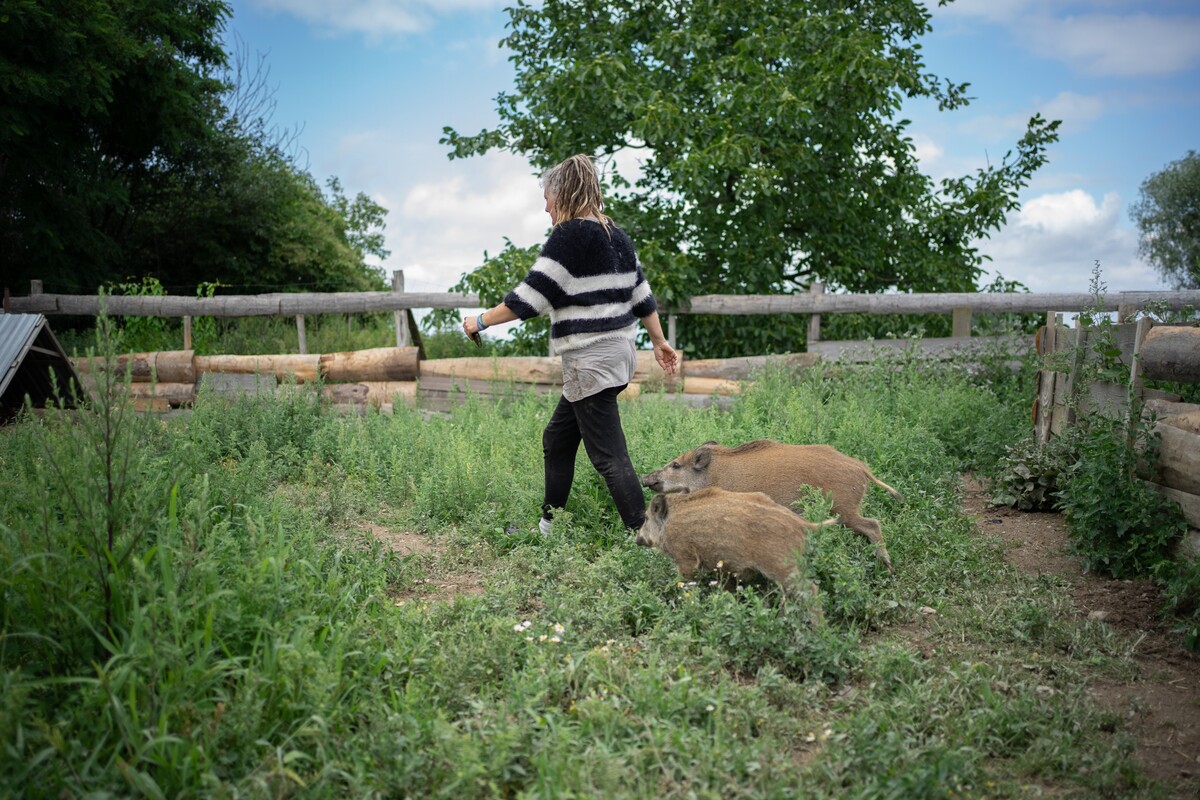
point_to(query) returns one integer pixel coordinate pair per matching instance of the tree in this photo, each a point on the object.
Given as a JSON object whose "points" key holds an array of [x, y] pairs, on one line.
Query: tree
{"points": [[770, 153], [133, 147], [1167, 214], [98, 97]]}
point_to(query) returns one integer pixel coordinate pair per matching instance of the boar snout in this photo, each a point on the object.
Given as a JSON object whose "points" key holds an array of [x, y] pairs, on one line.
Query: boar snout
{"points": [[653, 481], [640, 540]]}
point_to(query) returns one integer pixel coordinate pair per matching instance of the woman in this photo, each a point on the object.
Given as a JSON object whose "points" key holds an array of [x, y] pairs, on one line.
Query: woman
{"points": [[588, 279]]}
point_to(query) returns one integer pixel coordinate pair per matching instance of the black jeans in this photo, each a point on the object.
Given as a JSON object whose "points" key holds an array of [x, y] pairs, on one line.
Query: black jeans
{"points": [[595, 421]]}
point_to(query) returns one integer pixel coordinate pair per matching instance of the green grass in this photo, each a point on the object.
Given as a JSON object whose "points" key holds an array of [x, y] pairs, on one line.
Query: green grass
{"points": [[190, 608]]}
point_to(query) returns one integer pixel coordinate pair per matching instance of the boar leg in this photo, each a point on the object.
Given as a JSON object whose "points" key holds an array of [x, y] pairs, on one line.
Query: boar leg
{"points": [[871, 529]]}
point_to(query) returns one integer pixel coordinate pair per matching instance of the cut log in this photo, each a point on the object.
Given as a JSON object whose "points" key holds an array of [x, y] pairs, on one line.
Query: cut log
{"points": [[739, 369], [176, 394], [304, 369], [1166, 408], [170, 366], [651, 375], [344, 393], [1171, 353], [390, 392], [376, 364], [1178, 458], [707, 386], [522, 369]]}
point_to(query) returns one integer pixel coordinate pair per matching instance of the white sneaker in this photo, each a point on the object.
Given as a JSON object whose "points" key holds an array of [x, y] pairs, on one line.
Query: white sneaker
{"points": [[544, 526]]}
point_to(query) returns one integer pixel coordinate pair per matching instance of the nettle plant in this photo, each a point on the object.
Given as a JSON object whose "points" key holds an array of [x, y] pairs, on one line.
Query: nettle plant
{"points": [[1120, 525]]}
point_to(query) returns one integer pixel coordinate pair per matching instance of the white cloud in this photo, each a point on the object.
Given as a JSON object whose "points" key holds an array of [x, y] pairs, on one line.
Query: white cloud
{"points": [[927, 151], [1111, 38], [443, 225], [1055, 240], [375, 18], [1138, 45]]}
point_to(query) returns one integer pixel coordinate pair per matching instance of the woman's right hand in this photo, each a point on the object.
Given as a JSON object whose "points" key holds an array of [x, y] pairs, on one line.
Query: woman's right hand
{"points": [[666, 357]]}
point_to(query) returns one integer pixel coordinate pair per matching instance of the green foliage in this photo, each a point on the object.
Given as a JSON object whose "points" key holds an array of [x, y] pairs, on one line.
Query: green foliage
{"points": [[1119, 525], [1167, 214], [1181, 590], [1029, 475], [133, 147], [491, 282], [769, 152], [327, 606], [99, 98]]}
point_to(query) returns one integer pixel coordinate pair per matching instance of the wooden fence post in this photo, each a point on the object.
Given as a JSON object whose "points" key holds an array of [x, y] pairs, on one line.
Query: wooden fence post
{"points": [[671, 330], [960, 323], [35, 287], [300, 334], [400, 316], [1046, 379], [187, 331], [814, 321]]}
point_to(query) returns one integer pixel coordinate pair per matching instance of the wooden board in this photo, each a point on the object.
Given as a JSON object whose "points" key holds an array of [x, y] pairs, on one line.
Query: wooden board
{"points": [[739, 369], [863, 351], [441, 394]]}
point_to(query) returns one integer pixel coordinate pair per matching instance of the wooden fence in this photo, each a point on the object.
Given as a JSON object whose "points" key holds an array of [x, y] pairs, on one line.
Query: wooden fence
{"points": [[814, 303], [1147, 351]]}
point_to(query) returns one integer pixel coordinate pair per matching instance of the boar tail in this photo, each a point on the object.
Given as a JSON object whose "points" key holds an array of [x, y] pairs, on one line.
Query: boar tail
{"points": [[883, 485]]}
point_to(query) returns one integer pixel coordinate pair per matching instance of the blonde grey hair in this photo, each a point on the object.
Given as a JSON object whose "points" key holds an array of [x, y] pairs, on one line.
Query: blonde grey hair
{"points": [[575, 186]]}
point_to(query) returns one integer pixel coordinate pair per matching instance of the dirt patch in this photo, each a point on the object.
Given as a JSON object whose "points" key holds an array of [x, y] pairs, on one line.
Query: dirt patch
{"points": [[437, 587], [402, 543], [1161, 705]]}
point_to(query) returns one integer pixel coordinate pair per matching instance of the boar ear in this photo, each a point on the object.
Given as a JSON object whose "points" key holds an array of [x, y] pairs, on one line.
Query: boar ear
{"points": [[703, 457], [658, 508]]}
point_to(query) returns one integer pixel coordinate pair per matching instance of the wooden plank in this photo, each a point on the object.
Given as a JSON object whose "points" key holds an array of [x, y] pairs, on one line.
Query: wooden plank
{"points": [[737, 369], [235, 383], [443, 393], [1046, 343], [863, 351]]}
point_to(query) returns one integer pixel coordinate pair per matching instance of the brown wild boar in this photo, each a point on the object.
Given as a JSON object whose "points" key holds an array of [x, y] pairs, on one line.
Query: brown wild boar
{"points": [[742, 534], [781, 471]]}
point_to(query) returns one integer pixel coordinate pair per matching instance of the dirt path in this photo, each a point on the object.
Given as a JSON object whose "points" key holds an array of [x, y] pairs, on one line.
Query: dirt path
{"points": [[1162, 704]]}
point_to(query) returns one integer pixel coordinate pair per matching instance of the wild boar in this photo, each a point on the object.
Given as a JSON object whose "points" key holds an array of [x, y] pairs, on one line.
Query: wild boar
{"points": [[781, 471], [742, 534]]}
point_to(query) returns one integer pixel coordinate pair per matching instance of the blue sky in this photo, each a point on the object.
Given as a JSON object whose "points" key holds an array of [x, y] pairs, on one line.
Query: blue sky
{"points": [[369, 85]]}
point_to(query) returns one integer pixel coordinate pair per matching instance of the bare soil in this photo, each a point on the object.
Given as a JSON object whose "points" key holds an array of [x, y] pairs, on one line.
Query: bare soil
{"points": [[1161, 705]]}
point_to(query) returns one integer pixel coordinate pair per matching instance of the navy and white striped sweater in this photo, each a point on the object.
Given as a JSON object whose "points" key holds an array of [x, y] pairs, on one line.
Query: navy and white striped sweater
{"points": [[590, 282]]}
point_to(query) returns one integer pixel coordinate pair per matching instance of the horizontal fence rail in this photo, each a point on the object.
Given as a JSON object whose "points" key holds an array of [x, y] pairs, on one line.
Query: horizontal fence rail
{"points": [[982, 302], [256, 305], [729, 304]]}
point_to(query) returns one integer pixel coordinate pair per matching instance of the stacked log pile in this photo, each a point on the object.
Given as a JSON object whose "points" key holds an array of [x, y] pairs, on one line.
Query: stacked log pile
{"points": [[384, 376]]}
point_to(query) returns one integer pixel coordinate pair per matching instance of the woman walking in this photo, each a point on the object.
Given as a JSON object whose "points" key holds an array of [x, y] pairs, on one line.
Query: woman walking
{"points": [[588, 279]]}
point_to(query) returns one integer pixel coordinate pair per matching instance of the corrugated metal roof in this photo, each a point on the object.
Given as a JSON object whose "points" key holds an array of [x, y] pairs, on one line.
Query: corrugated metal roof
{"points": [[29, 357]]}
